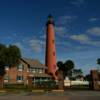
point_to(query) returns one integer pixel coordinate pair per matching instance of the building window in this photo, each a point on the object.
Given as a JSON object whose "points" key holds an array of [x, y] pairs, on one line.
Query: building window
{"points": [[40, 70], [6, 78], [6, 67], [19, 78], [32, 70], [20, 67], [36, 70]]}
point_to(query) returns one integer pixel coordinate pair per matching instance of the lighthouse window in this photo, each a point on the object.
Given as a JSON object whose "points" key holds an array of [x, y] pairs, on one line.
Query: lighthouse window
{"points": [[54, 66], [53, 41], [53, 53]]}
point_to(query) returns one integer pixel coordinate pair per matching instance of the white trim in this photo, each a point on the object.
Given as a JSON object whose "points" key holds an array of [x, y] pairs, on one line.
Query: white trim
{"points": [[20, 69], [5, 81], [6, 67], [31, 75], [19, 81]]}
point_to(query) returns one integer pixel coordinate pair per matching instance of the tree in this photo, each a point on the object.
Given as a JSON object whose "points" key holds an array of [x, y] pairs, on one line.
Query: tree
{"points": [[77, 72], [60, 70], [60, 74], [9, 56], [88, 77], [60, 65], [2, 59], [63, 71], [98, 61], [68, 66], [13, 55]]}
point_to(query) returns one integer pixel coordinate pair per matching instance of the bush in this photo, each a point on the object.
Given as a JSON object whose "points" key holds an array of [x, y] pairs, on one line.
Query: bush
{"points": [[45, 85], [15, 86]]}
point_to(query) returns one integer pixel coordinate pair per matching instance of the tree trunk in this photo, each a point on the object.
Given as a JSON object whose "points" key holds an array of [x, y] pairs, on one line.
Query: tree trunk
{"points": [[61, 80], [1, 82]]}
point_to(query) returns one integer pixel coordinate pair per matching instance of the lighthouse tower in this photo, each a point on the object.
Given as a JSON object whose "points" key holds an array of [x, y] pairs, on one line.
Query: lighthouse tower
{"points": [[50, 59]]}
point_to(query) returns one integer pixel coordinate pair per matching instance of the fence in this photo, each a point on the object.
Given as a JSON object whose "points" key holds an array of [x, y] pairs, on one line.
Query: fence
{"points": [[77, 82]]}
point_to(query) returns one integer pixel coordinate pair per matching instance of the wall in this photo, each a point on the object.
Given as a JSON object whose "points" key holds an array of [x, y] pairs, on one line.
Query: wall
{"points": [[13, 72]]}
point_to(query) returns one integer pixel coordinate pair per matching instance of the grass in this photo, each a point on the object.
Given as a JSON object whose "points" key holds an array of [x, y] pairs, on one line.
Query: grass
{"points": [[3, 92], [17, 88]]}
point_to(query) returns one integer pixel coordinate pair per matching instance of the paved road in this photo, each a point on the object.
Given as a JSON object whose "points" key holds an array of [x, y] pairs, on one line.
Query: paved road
{"points": [[83, 95], [68, 95]]}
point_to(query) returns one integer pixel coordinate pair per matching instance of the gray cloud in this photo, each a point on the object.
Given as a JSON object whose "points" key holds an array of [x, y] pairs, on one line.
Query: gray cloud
{"points": [[19, 45], [60, 29], [94, 31], [81, 38], [36, 45], [85, 39], [23, 48], [77, 3], [62, 20], [64, 25], [93, 19]]}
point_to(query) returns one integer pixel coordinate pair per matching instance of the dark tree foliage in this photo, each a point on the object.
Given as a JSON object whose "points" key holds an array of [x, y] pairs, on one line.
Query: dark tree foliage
{"points": [[9, 56], [13, 55], [60, 65], [2, 54], [2, 70], [69, 64], [88, 77], [77, 71], [60, 71], [2, 58], [65, 67], [98, 61]]}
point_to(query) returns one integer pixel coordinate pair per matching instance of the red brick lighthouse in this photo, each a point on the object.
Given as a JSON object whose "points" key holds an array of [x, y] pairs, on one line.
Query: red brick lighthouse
{"points": [[50, 59]]}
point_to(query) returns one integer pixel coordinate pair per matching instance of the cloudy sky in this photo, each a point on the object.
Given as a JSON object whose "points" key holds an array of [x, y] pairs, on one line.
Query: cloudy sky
{"points": [[77, 29]]}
